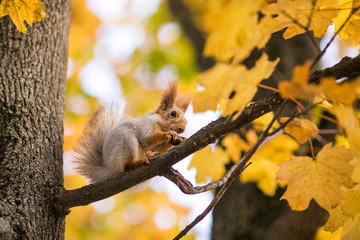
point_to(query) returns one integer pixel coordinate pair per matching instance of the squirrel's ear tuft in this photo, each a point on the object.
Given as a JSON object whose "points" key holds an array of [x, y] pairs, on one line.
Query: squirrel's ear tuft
{"points": [[183, 101], [168, 96]]}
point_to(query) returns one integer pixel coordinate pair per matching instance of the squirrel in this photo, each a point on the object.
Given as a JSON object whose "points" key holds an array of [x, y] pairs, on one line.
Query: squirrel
{"points": [[113, 143]]}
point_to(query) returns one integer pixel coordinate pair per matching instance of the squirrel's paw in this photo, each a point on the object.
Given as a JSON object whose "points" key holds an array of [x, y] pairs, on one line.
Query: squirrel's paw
{"points": [[151, 155], [145, 160], [176, 139]]}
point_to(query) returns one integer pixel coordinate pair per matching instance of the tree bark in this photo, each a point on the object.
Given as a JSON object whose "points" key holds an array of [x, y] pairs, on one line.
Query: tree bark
{"points": [[32, 98]]}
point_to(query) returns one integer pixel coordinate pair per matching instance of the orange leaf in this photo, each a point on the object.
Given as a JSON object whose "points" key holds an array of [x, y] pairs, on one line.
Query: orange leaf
{"points": [[299, 87], [300, 128]]}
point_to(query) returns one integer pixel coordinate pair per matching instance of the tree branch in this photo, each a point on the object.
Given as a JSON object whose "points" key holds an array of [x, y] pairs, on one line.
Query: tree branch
{"points": [[160, 165], [209, 134], [186, 187], [348, 67]]}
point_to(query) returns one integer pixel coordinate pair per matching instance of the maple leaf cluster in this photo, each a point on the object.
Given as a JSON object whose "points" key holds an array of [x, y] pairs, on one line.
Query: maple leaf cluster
{"points": [[331, 177]]}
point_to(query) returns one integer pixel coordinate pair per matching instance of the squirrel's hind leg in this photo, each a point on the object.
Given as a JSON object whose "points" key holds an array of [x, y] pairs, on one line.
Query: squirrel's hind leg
{"points": [[137, 162]]}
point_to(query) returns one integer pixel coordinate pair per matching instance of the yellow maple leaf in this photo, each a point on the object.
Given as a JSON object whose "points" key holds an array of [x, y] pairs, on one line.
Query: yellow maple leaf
{"points": [[320, 178], [246, 86], [223, 80], [209, 164], [336, 219], [346, 215], [353, 30], [296, 15], [21, 10], [351, 229], [351, 204], [351, 27], [348, 120], [300, 128], [235, 30], [219, 83]]}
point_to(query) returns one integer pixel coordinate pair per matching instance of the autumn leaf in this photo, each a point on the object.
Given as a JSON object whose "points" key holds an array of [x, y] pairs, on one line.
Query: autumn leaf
{"points": [[351, 229], [224, 80], [345, 92], [320, 178], [336, 219], [235, 30], [247, 85], [20, 11], [356, 174], [351, 204], [348, 120], [298, 15], [209, 164], [218, 82], [351, 28], [299, 87], [346, 215], [300, 128]]}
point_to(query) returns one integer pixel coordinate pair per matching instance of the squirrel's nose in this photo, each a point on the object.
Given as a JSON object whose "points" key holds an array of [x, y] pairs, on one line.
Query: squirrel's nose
{"points": [[181, 130]]}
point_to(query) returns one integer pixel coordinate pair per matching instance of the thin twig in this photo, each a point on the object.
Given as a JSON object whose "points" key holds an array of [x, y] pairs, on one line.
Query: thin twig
{"points": [[278, 91], [313, 41], [186, 187], [311, 36], [324, 117], [328, 131], [311, 14]]}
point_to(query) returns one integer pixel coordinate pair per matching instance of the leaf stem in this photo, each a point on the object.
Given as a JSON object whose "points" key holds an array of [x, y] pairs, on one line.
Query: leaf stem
{"points": [[312, 148], [278, 91]]}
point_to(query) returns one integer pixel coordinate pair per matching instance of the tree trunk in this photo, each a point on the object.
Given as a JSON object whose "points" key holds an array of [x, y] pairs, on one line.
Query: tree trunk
{"points": [[32, 98]]}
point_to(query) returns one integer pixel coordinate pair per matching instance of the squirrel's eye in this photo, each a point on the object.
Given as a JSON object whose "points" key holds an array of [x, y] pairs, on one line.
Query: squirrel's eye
{"points": [[173, 114]]}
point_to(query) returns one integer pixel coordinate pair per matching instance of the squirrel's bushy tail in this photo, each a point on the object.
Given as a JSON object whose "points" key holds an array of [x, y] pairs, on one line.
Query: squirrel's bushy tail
{"points": [[89, 152]]}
